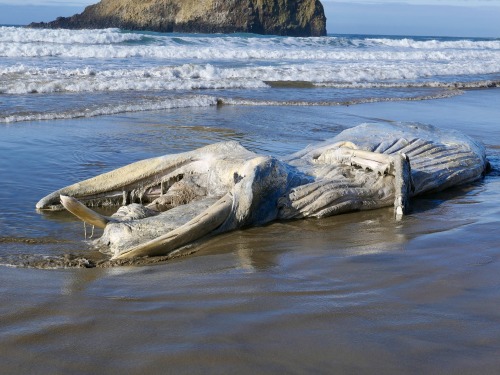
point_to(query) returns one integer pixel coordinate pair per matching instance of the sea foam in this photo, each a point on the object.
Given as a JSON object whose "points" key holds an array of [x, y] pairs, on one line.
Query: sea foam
{"points": [[140, 106], [21, 79], [244, 69], [62, 36]]}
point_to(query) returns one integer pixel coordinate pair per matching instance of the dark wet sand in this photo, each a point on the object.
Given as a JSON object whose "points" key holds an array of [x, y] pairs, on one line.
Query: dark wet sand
{"points": [[357, 293]]}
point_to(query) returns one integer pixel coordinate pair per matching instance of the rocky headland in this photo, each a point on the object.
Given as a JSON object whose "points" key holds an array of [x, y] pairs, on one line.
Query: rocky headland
{"points": [[271, 17]]}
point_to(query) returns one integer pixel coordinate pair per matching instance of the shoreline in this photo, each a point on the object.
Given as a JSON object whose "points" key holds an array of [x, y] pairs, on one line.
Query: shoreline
{"points": [[416, 296]]}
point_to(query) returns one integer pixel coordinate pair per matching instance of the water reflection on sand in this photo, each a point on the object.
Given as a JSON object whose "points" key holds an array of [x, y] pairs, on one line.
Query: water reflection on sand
{"points": [[357, 293]]}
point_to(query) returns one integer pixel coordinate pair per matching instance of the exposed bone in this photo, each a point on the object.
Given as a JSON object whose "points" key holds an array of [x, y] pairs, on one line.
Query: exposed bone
{"points": [[340, 175], [196, 228], [138, 177], [181, 192], [403, 184], [83, 213]]}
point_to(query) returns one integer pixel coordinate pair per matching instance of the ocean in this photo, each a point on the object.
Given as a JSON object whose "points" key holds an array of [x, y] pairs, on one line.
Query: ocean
{"points": [[62, 74], [356, 293]]}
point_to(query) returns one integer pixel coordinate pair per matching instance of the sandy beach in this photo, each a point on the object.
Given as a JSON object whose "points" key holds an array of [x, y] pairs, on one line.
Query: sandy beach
{"points": [[356, 293]]}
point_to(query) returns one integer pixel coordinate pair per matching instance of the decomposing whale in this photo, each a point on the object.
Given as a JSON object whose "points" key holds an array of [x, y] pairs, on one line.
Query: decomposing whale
{"points": [[172, 201]]}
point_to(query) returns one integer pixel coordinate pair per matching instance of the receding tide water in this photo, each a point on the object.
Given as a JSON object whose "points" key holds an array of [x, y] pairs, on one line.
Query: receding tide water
{"points": [[356, 293]]}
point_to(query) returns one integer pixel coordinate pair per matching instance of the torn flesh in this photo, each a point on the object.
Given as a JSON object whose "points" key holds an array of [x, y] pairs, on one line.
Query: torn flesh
{"points": [[175, 200]]}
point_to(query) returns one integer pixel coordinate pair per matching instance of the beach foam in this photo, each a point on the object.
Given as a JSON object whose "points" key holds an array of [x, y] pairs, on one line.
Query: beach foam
{"points": [[40, 61], [21, 79], [140, 106], [199, 101]]}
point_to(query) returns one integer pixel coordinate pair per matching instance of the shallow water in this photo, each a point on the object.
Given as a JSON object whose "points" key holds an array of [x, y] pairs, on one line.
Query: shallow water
{"points": [[357, 293]]}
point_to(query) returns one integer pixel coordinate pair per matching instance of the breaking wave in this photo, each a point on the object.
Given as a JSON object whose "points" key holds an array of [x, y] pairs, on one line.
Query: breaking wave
{"points": [[63, 36], [199, 101], [116, 36], [486, 84], [86, 73], [112, 109], [249, 102], [22, 79], [230, 51], [115, 44], [437, 44]]}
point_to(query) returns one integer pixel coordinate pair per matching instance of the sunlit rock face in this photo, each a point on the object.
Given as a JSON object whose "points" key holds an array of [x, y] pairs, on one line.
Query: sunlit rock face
{"points": [[274, 17]]}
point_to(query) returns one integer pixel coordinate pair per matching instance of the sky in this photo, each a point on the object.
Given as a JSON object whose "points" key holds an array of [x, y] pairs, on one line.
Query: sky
{"points": [[469, 18]]}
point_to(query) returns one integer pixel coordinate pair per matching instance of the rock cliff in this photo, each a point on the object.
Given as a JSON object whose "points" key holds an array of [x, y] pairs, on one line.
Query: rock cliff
{"points": [[276, 17]]}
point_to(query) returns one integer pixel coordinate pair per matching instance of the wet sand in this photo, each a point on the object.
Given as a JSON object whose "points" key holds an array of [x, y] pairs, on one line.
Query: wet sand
{"points": [[357, 293]]}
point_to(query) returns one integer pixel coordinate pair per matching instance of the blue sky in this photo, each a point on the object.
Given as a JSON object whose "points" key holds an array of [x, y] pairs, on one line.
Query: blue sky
{"points": [[391, 17]]}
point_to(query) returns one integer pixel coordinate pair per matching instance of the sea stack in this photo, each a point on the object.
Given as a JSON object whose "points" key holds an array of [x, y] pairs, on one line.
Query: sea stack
{"points": [[270, 17]]}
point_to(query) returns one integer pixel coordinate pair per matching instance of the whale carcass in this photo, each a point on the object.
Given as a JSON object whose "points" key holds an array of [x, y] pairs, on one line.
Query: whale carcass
{"points": [[172, 201]]}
